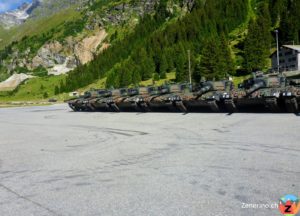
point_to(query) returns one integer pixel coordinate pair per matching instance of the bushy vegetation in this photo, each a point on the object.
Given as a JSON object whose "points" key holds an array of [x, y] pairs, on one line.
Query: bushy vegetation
{"points": [[34, 89]]}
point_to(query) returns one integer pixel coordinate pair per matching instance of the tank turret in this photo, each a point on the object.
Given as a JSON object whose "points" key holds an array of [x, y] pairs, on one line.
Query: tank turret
{"points": [[215, 95], [106, 100], [170, 97], [262, 90], [291, 95], [82, 102]]}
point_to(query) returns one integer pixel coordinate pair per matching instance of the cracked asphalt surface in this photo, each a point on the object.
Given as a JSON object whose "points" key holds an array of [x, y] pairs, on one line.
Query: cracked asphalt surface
{"points": [[57, 162]]}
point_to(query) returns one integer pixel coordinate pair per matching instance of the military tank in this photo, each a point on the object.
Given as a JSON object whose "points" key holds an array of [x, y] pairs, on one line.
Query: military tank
{"points": [[272, 91], [262, 91], [97, 103], [81, 103], [140, 102], [291, 95], [110, 103], [170, 98], [136, 99], [214, 95], [124, 102]]}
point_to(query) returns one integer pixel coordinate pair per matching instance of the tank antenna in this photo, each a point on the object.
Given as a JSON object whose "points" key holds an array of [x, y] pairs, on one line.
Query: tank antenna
{"points": [[190, 73], [277, 41]]}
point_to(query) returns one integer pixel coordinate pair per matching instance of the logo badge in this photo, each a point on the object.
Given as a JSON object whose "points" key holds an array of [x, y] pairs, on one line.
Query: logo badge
{"points": [[289, 205]]}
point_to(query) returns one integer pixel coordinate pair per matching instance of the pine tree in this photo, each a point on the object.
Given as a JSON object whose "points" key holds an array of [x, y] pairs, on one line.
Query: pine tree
{"points": [[45, 95], [126, 73], [210, 65], [290, 23], [62, 87], [56, 90], [226, 56], [147, 66], [181, 68], [163, 64], [136, 77], [197, 72], [155, 76], [181, 63], [257, 43]]}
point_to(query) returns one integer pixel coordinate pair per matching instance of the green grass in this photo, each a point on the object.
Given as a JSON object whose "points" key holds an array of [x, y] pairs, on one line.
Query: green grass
{"points": [[99, 84], [170, 77], [34, 89]]}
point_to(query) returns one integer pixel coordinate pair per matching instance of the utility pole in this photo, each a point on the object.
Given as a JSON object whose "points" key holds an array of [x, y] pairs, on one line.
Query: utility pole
{"points": [[277, 41], [190, 73]]}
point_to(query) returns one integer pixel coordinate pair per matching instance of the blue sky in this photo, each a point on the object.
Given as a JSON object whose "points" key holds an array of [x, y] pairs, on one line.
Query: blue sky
{"points": [[6, 5]]}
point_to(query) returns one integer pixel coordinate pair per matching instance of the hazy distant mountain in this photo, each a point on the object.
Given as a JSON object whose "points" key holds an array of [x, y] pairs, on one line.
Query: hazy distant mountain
{"points": [[36, 9], [18, 16]]}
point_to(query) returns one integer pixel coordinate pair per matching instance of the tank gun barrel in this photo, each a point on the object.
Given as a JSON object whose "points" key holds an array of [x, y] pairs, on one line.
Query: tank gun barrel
{"points": [[255, 87], [203, 90], [294, 82], [290, 74]]}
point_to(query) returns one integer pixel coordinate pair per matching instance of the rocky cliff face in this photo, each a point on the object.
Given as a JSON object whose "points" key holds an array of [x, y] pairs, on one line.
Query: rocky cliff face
{"points": [[60, 55]]}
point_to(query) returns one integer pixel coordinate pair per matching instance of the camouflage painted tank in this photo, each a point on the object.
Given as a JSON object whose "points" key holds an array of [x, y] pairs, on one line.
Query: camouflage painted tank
{"points": [[109, 103], [263, 90], [123, 103], [170, 98], [291, 95], [214, 95], [140, 102], [81, 103], [275, 92], [96, 103]]}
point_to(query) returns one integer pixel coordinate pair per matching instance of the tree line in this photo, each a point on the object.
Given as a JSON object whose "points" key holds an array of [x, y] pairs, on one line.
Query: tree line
{"points": [[154, 48]]}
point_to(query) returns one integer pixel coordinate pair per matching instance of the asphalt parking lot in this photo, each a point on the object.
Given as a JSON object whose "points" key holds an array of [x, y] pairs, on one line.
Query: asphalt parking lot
{"points": [[57, 162]]}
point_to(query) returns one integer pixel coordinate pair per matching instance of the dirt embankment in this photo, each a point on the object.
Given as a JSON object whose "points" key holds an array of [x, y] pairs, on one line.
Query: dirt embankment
{"points": [[13, 82], [87, 48]]}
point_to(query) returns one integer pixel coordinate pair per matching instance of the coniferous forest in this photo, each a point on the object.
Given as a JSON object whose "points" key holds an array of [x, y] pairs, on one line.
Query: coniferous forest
{"points": [[224, 37]]}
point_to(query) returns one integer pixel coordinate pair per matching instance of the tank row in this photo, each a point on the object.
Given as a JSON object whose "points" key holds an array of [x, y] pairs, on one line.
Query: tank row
{"points": [[268, 92]]}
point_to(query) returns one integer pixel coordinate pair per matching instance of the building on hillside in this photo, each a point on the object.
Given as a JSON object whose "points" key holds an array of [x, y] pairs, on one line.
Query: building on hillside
{"points": [[289, 58]]}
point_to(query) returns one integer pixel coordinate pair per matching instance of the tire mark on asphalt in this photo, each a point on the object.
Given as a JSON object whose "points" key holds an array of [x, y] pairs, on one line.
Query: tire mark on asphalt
{"points": [[129, 133], [29, 200], [111, 130]]}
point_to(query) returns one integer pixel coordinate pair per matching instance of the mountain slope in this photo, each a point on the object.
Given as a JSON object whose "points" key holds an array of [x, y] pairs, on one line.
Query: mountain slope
{"points": [[35, 10], [18, 16], [147, 39]]}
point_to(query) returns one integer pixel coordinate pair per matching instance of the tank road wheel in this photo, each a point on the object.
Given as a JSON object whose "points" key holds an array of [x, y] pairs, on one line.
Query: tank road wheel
{"points": [[291, 105], [114, 107], [213, 106], [272, 104], [90, 107], [180, 106], [144, 106], [73, 108], [230, 105], [172, 107], [137, 107]]}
